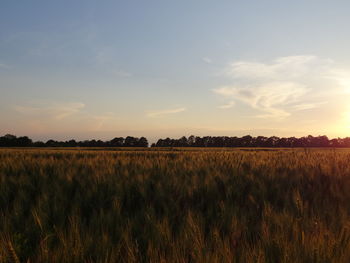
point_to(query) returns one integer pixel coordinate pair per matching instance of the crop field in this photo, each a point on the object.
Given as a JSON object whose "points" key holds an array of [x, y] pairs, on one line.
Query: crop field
{"points": [[174, 205]]}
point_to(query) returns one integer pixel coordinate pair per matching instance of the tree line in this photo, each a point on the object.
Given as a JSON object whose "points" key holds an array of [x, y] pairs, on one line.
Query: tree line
{"points": [[10, 140], [249, 141], [192, 141]]}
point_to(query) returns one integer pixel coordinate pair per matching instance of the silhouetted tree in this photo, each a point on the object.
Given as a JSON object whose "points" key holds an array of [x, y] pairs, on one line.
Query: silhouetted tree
{"points": [[130, 141], [117, 142], [24, 141], [142, 142], [39, 144], [72, 143], [10, 140], [52, 143]]}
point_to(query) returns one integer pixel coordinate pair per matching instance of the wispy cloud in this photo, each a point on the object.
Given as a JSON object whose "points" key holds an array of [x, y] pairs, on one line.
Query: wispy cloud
{"points": [[161, 113], [57, 111], [227, 106], [65, 110], [266, 97], [342, 78], [207, 60], [287, 84], [103, 121], [308, 106], [283, 68]]}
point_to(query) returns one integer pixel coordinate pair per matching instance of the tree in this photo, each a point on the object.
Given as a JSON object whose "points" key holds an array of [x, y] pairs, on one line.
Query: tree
{"points": [[71, 143], [246, 141], [182, 142], [24, 141], [191, 141], [130, 141], [142, 142], [117, 142], [52, 143]]}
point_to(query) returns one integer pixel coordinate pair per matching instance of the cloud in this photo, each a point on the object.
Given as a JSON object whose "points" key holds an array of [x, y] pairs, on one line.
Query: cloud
{"points": [[287, 84], [207, 60], [103, 121], [308, 106], [57, 111], [266, 97], [64, 110], [227, 106], [342, 77], [160, 113], [282, 68]]}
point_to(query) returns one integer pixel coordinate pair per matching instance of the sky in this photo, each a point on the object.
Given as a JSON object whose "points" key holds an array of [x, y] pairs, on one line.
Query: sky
{"points": [[102, 69]]}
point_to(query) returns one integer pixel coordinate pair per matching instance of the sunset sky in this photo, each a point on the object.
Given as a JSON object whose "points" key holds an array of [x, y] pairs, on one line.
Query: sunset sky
{"points": [[101, 69]]}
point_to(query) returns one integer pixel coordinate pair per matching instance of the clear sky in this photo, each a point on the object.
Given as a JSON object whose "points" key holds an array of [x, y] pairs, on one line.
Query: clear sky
{"points": [[101, 69]]}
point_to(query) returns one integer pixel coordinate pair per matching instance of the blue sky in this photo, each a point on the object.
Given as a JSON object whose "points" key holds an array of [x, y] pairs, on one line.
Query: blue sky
{"points": [[100, 69]]}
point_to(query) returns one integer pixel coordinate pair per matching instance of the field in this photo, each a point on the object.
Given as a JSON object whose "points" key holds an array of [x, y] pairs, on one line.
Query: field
{"points": [[174, 205]]}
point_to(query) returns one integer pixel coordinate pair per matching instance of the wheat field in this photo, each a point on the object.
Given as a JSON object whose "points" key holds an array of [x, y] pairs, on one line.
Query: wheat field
{"points": [[174, 205]]}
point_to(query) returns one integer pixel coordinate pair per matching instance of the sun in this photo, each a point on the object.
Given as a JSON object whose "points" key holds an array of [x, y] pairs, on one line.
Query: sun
{"points": [[343, 127]]}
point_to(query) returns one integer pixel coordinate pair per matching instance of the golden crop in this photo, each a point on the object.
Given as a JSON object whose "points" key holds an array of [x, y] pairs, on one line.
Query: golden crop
{"points": [[174, 205]]}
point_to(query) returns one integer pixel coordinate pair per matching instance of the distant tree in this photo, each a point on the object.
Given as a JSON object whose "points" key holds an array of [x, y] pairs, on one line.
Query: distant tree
{"points": [[39, 144], [260, 141], [142, 142], [323, 141], [246, 141], [10, 137], [182, 142], [71, 143], [167, 142], [10, 140], [100, 143], [272, 141], [130, 141], [346, 142], [191, 141], [335, 143], [160, 143], [117, 142], [24, 141], [52, 143]]}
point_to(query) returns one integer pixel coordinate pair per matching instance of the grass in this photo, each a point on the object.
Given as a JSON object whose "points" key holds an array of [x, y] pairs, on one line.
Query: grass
{"points": [[174, 205]]}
